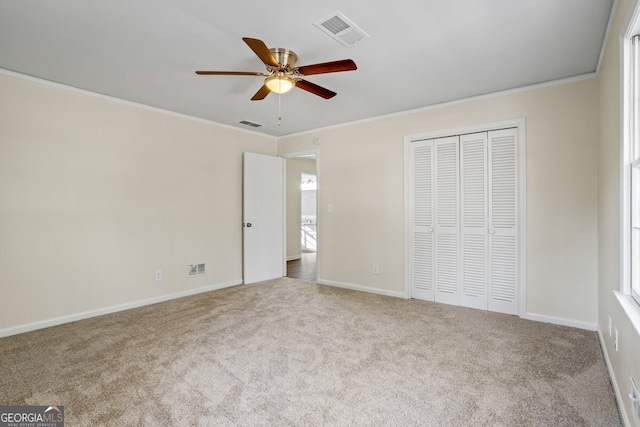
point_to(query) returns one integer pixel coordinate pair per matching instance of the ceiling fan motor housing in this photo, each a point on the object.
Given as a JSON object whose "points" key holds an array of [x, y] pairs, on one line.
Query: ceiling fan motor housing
{"points": [[285, 57]]}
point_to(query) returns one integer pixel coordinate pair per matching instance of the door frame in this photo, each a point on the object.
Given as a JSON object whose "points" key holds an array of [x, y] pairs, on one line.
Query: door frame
{"points": [[522, 199], [297, 155], [302, 205]]}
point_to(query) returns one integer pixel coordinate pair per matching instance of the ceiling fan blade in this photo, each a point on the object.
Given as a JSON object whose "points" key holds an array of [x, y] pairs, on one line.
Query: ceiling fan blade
{"points": [[315, 89], [327, 67], [263, 52], [230, 73], [261, 94]]}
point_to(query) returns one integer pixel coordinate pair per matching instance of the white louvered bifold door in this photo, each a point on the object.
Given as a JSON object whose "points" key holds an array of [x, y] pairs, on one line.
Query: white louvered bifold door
{"points": [[447, 223], [503, 223], [422, 220], [474, 222]]}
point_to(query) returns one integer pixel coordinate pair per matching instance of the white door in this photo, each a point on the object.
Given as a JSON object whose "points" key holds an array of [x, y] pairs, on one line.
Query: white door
{"points": [[421, 188], [263, 217], [464, 220], [473, 206], [503, 221], [447, 222]]}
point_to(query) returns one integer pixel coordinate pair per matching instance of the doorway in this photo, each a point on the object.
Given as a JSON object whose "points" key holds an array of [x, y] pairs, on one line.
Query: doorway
{"points": [[302, 216]]}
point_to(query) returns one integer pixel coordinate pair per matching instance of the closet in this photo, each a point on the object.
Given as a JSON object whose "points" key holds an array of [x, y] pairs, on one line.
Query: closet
{"points": [[463, 210]]}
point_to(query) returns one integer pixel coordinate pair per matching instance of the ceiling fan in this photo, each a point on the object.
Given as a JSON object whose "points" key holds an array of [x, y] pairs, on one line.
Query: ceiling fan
{"points": [[282, 74]]}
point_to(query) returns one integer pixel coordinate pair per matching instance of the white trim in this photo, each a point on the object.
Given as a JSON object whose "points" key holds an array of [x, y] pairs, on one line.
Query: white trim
{"points": [[522, 208], [631, 309], [26, 77], [614, 383], [632, 23], [480, 127], [361, 288], [306, 155], [491, 95], [318, 215], [294, 257], [284, 217], [520, 124], [407, 171], [625, 179], [630, 28], [37, 80], [612, 15], [589, 326], [301, 154], [112, 309]]}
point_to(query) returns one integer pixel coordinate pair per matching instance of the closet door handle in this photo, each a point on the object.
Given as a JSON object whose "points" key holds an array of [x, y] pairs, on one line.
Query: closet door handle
{"points": [[492, 231], [430, 230]]}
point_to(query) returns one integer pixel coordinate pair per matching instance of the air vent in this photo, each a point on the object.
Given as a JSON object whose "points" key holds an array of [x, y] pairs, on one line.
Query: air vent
{"points": [[196, 269], [248, 123], [342, 29]]}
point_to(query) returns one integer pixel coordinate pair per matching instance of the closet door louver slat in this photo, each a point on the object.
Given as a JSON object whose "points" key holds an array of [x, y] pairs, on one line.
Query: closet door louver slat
{"points": [[464, 224], [422, 220], [503, 221], [473, 204], [447, 224]]}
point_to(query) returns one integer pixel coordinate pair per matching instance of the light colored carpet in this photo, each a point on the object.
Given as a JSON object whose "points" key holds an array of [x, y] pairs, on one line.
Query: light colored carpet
{"points": [[288, 352]]}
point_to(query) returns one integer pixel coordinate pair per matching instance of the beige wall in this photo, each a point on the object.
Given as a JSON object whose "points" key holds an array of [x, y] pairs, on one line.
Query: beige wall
{"points": [[294, 168], [97, 195], [362, 176], [626, 361]]}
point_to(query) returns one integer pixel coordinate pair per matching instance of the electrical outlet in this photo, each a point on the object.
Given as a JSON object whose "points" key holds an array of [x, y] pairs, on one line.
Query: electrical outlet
{"points": [[376, 269], [158, 275], [616, 338]]}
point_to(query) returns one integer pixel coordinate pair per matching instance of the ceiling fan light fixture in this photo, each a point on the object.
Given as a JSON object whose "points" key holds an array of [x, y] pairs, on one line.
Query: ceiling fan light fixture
{"points": [[282, 74], [279, 84]]}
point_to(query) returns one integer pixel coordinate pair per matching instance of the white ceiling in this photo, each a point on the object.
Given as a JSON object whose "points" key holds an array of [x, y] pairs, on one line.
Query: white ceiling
{"points": [[421, 52]]}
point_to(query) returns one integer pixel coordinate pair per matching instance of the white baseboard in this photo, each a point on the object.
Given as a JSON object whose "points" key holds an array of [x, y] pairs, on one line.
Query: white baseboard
{"points": [[113, 309], [562, 321], [614, 383], [292, 257], [361, 288]]}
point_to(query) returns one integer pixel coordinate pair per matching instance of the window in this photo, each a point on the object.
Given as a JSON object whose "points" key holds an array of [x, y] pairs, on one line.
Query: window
{"points": [[632, 138]]}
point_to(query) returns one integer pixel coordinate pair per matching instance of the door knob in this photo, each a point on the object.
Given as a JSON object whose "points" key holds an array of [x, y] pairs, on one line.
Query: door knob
{"points": [[248, 225]]}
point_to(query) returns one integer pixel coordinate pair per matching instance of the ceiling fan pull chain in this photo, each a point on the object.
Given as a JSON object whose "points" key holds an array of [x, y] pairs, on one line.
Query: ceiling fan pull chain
{"points": [[279, 109]]}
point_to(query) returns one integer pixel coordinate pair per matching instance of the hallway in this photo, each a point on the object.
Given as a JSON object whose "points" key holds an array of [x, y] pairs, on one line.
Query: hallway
{"points": [[303, 268]]}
